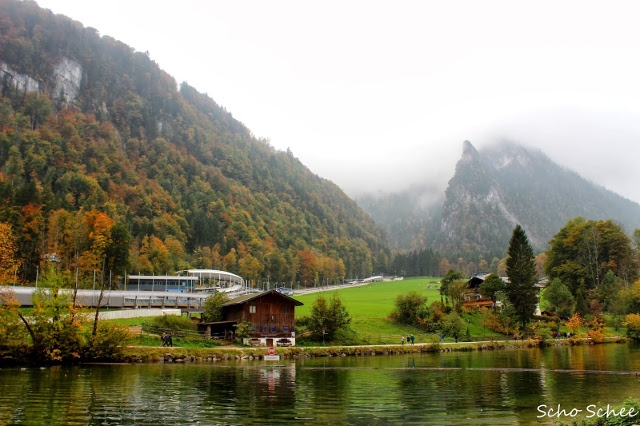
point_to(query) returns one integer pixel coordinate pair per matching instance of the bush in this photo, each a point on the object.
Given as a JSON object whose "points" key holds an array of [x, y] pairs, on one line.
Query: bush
{"points": [[633, 326], [453, 325], [542, 331], [409, 308], [173, 322], [108, 342]]}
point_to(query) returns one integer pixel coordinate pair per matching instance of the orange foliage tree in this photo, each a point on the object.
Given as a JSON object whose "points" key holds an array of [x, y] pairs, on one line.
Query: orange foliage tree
{"points": [[8, 249]]}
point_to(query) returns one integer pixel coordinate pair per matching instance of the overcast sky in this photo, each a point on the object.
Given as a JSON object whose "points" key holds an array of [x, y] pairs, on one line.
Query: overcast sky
{"points": [[376, 95]]}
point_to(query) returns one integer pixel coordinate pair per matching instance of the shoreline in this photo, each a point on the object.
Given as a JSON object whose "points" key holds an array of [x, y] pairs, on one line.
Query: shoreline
{"points": [[157, 354], [145, 354]]}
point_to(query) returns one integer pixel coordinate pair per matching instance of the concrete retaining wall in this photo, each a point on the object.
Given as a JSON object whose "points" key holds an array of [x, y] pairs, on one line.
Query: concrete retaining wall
{"points": [[135, 313]]}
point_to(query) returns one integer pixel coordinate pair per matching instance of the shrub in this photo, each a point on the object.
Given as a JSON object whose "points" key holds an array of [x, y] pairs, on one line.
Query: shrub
{"points": [[409, 308], [574, 324], [243, 329], [173, 322], [453, 325], [633, 326], [542, 331], [108, 342]]}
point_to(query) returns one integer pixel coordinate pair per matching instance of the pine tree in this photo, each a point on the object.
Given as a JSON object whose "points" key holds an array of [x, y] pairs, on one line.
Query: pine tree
{"points": [[521, 269]]}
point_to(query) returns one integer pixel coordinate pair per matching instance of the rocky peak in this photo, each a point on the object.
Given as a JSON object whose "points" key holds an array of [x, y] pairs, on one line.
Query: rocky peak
{"points": [[469, 153]]}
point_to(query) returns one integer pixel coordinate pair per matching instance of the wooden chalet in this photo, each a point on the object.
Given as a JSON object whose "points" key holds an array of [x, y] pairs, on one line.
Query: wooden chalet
{"points": [[473, 298], [272, 315]]}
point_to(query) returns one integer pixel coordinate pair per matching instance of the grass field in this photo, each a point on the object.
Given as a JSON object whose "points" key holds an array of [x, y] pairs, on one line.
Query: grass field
{"points": [[371, 305], [375, 300]]}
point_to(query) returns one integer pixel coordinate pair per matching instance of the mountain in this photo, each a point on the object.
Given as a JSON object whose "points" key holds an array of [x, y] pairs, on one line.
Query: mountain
{"points": [[408, 216], [90, 128], [492, 191]]}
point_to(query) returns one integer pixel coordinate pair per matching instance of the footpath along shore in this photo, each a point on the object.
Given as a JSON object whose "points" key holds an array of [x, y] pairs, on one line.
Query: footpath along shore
{"points": [[141, 354]]}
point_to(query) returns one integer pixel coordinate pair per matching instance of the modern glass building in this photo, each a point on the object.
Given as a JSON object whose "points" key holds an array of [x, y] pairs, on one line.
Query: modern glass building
{"points": [[180, 284]]}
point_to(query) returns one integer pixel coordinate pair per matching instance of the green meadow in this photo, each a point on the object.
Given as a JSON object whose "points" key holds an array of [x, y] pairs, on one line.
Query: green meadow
{"points": [[370, 306]]}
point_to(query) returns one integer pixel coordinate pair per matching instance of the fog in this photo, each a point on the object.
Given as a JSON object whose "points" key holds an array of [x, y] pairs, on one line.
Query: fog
{"points": [[379, 95]]}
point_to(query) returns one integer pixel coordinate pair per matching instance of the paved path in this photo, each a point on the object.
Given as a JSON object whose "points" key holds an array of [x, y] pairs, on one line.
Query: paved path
{"points": [[310, 290]]}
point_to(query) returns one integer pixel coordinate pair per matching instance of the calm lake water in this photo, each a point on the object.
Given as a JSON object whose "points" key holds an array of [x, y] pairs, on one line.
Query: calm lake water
{"points": [[450, 388]]}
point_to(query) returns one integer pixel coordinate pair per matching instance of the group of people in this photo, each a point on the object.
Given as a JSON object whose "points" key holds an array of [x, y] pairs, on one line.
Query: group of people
{"points": [[167, 339], [410, 339]]}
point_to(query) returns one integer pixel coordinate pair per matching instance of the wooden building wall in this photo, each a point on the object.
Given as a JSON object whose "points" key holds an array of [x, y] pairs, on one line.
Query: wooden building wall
{"points": [[270, 311]]}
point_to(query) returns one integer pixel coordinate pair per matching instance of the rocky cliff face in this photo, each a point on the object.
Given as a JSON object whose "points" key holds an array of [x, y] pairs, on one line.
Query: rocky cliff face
{"points": [[67, 76], [505, 185], [492, 191], [63, 84], [474, 216]]}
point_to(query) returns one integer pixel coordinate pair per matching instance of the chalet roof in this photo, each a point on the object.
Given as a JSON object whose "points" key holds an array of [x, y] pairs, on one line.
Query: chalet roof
{"points": [[249, 297], [478, 279], [218, 323]]}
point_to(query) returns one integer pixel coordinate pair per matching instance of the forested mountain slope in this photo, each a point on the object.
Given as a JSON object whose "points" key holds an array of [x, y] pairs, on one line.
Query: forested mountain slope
{"points": [[91, 128]]}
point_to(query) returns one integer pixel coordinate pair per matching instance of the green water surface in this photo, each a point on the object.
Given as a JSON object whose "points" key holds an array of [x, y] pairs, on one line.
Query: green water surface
{"points": [[490, 387]]}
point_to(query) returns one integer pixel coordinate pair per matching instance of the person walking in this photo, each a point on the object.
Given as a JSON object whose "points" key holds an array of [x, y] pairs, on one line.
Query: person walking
{"points": [[403, 340], [412, 338]]}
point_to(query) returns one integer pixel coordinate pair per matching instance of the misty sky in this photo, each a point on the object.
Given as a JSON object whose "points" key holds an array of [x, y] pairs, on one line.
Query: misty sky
{"points": [[376, 95]]}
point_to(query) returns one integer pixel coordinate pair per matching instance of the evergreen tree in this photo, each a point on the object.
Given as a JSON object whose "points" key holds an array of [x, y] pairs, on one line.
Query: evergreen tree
{"points": [[327, 318], [521, 270]]}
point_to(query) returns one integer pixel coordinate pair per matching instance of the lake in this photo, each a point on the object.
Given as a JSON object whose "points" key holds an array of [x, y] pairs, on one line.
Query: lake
{"points": [[489, 387]]}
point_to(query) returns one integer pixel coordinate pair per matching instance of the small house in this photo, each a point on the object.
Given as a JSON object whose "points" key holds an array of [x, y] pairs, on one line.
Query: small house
{"points": [[472, 297], [272, 315]]}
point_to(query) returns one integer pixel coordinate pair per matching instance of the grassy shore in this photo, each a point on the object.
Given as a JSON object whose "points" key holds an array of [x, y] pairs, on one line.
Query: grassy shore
{"points": [[178, 354]]}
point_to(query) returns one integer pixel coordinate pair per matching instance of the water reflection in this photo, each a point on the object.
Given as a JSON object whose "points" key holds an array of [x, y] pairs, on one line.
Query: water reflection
{"points": [[463, 387]]}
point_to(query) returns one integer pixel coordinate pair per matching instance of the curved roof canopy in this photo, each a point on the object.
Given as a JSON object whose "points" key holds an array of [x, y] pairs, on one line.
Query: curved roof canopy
{"points": [[212, 273]]}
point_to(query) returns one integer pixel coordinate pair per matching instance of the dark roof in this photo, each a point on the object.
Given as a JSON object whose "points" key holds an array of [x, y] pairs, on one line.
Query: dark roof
{"points": [[248, 297], [219, 322]]}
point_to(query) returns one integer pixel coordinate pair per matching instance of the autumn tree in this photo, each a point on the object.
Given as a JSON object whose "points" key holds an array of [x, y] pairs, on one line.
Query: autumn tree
{"points": [[456, 291], [633, 326], [521, 270], [582, 252], [9, 264], [451, 276], [308, 266]]}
